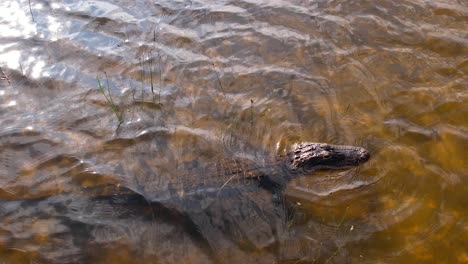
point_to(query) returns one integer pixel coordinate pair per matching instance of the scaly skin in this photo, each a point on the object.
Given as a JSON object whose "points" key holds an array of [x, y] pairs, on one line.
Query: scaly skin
{"points": [[302, 159], [308, 156]]}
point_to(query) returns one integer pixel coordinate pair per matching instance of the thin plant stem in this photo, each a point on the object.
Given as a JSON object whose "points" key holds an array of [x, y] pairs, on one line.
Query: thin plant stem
{"points": [[160, 79], [217, 77], [251, 111], [108, 88], [21, 69], [151, 77], [30, 10], [142, 79], [109, 100], [5, 77]]}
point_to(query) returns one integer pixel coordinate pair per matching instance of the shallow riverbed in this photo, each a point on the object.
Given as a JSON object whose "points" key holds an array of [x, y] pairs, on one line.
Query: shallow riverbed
{"points": [[100, 92]]}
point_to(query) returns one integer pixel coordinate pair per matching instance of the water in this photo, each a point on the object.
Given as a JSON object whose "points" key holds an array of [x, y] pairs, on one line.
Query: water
{"points": [[198, 80]]}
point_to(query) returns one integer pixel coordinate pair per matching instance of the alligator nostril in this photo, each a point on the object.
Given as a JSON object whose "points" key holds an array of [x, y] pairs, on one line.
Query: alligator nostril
{"points": [[364, 155]]}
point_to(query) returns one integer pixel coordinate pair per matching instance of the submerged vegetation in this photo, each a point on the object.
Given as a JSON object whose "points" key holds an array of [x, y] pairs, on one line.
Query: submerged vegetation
{"points": [[109, 100], [148, 67], [148, 70]]}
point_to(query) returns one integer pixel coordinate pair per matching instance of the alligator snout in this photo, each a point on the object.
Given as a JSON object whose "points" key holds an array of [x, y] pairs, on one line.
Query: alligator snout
{"points": [[364, 155], [309, 156]]}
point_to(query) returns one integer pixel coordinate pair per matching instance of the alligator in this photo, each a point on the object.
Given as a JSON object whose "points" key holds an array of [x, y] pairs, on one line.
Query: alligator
{"points": [[230, 211], [270, 173]]}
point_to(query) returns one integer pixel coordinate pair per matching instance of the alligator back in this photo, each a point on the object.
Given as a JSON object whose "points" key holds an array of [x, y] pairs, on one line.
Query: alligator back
{"points": [[217, 178]]}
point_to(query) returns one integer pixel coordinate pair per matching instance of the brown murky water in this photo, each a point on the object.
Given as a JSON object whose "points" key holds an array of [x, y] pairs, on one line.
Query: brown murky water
{"points": [[200, 80]]}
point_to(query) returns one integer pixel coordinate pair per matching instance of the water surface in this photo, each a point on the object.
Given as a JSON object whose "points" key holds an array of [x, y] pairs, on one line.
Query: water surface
{"points": [[195, 81]]}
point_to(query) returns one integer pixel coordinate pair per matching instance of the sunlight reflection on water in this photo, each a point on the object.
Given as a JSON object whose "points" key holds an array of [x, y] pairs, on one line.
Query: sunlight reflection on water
{"points": [[197, 82]]}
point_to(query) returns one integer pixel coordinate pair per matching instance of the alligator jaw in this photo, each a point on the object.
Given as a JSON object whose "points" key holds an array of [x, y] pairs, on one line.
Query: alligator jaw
{"points": [[310, 156]]}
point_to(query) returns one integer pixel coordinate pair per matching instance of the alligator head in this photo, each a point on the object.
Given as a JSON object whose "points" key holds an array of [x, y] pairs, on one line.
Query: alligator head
{"points": [[309, 156]]}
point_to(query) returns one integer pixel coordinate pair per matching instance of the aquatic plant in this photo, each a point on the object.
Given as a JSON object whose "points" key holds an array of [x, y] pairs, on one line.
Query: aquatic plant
{"points": [[217, 77], [147, 64], [160, 78], [30, 11], [109, 100]]}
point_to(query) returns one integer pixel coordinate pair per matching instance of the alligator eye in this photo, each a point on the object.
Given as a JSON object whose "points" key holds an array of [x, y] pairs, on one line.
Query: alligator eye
{"points": [[327, 156]]}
